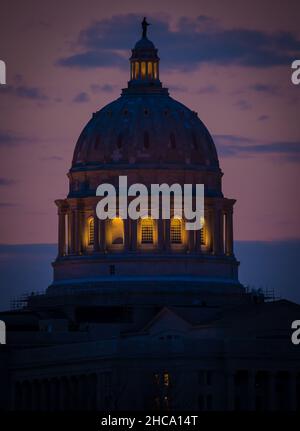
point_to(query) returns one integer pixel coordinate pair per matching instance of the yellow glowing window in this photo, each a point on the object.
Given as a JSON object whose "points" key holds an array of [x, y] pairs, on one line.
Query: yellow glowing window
{"points": [[137, 69], [166, 379], [155, 70], [117, 231], [150, 69], [176, 231], [91, 227], [147, 228], [143, 69], [202, 234]]}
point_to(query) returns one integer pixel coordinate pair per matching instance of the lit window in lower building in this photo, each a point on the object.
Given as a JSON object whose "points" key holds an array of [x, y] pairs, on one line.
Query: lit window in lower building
{"points": [[147, 229], [166, 379]]}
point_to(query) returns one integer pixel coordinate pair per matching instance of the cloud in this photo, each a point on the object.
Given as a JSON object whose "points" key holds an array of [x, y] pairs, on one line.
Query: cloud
{"points": [[208, 89], [6, 182], [263, 117], [51, 158], [177, 88], [25, 92], [194, 41], [7, 205], [81, 97], [8, 139], [264, 88], [243, 105], [105, 88], [237, 146]]}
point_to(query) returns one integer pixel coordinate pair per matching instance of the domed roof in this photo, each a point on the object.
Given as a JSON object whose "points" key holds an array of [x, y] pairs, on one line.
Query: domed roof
{"points": [[144, 43], [145, 126], [145, 129]]}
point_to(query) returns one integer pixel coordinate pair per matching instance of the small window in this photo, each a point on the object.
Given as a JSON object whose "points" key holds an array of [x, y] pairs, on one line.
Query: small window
{"points": [[147, 228], [166, 379], [91, 229], [176, 231]]}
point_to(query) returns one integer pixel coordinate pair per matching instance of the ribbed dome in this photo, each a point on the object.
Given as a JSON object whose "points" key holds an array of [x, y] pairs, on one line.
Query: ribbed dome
{"points": [[143, 129], [145, 126]]}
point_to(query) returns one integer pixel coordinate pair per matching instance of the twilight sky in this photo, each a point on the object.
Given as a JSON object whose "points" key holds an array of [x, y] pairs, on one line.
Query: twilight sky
{"points": [[228, 60]]}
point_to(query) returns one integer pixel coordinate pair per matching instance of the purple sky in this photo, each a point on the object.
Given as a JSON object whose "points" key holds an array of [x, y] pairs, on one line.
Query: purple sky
{"points": [[227, 60]]}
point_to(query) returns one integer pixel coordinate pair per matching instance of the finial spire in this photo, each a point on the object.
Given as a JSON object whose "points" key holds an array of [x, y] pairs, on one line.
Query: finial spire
{"points": [[144, 26]]}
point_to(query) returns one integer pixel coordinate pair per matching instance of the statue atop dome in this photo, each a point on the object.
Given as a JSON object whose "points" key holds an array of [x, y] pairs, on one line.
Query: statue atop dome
{"points": [[145, 24]]}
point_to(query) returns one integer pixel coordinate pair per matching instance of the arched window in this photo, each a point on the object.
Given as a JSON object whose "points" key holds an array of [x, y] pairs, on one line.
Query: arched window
{"points": [[176, 231], [117, 231], [91, 229], [147, 231]]}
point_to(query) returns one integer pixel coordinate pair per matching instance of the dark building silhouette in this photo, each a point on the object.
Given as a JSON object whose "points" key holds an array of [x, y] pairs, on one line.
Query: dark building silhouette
{"points": [[146, 314]]}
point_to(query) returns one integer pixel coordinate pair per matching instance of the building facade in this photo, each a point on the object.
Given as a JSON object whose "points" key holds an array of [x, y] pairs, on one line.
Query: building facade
{"points": [[145, 314]]}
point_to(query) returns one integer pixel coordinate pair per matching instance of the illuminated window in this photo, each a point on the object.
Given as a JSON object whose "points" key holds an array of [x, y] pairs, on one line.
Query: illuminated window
{"points": [[155, 70], [176, 231], [202, 234], [150, 70], [117, 231], [91, 229], [147, 228], [137, 69], [143, 69], [166, 379]]}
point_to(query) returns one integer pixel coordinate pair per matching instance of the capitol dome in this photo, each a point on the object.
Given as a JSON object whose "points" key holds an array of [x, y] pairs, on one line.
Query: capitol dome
{"points": [[145, 126]]}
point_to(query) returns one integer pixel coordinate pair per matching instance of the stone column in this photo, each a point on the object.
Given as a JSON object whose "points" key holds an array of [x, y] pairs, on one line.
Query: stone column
{"points": [[61, 232], [272, 391], [230, 390], [133, 232], [217, 233], [70, 231], [160, 233], [127, 226], [167, 243], [77, 231], [251, 390], [198, 241], [102, 235], [96, 233], [229, 232], [191, 241], [293, 391], [209, 229]]}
